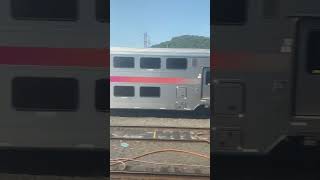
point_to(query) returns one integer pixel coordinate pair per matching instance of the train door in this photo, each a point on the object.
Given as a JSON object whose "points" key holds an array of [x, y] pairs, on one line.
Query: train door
{"points": [[308, 68], [205, 92]]}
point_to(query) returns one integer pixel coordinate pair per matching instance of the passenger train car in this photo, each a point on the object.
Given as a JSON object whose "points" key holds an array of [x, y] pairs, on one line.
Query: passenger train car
{"points": [[266, 81], [159, 78], [53, 74]]}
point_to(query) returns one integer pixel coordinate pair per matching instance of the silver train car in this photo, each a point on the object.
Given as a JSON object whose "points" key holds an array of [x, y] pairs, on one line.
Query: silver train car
{"points": [[53, 74], [266, 81], [159, 78]]}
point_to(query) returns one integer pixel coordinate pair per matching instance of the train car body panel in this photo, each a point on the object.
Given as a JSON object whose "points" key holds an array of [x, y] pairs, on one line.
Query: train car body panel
{"points": [[51, 70], [258, 82], [173, 88]]}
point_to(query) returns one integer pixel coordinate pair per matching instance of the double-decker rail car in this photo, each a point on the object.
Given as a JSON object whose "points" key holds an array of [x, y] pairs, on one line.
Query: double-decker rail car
{"points": [[266, 79], [159, 78], [53, 74]]}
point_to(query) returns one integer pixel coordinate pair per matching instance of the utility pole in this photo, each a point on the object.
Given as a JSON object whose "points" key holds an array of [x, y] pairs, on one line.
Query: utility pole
{"points": [[146, 40]]}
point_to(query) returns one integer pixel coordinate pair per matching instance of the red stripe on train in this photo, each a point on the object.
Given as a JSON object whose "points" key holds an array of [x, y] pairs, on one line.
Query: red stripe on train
{"points": [[80, 57], [231, 60], [152, 80], [247, 61]]}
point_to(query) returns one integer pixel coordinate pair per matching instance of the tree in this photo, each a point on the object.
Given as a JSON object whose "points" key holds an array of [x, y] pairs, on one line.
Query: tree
{"points": [[186, 41]]}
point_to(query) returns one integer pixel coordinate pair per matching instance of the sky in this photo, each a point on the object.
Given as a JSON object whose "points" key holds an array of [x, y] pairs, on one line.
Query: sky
{"points": [[161, 19]]}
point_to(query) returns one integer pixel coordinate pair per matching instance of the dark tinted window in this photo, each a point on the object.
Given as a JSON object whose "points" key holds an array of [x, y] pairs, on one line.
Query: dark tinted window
{"points": [[102, 95], [229, 12], [150, 63], [42, 94], [123, 91], [55, 10], [123, 62], [177, 63], [102, 10], [313, 53], [150, 91], [208, 77]]}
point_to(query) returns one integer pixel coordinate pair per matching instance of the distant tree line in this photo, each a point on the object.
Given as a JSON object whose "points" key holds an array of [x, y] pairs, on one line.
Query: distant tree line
{"points": [[186, 41]]}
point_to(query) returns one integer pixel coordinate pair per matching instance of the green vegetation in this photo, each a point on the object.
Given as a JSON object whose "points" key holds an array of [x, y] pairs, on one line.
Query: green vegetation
{"points": [[186, 41]]}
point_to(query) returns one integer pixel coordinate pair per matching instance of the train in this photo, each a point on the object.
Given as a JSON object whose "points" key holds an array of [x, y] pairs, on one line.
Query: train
{"points": [[159, 78], [265, 75], [54, 71]]}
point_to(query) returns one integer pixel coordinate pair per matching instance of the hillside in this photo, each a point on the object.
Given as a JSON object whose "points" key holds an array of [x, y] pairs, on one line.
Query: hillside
{"points": [[186, 41]]}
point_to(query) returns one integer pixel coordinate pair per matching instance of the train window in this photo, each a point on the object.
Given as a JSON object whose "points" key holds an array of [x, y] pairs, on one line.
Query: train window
{"points": [[177, 63], [229, 12], [150, 63], [45, 94], [208, 77], [123, 62], [123, 91], [102, 94], [102, 10], [149, 91], [313, 53], [45, 10]]}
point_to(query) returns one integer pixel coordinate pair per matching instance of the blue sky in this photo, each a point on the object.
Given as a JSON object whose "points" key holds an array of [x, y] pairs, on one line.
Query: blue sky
{"points": [[162, 19]]}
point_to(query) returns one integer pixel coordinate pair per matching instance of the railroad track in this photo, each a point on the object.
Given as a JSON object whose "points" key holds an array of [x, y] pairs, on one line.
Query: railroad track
{"points": [[159, 172], [154, 176], [155, 133]]}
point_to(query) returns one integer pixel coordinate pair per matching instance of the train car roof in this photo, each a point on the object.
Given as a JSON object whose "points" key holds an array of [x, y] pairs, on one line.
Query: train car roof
{"points": [[161, 51]]}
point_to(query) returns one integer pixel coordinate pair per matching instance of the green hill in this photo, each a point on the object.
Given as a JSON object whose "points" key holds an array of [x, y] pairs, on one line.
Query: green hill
{"points": [[186, 41]]}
